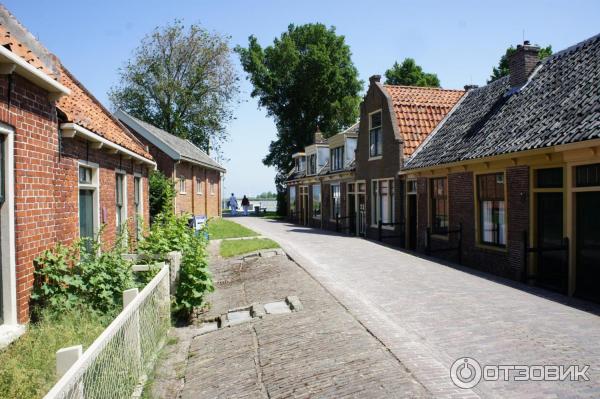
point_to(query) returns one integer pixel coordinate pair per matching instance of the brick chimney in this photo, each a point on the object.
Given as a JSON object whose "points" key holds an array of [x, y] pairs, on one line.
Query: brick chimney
{"points": [[319, 139], [374, 78], [522, 63]]}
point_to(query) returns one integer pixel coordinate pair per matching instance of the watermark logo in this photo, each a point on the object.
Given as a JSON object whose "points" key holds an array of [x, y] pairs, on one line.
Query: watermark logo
{"points": [[466, 373]]}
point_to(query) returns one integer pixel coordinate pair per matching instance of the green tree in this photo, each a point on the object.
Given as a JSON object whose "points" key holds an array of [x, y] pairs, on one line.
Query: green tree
{"points": [[502, 68], [181, 80], [410, 74], [305, 79]]}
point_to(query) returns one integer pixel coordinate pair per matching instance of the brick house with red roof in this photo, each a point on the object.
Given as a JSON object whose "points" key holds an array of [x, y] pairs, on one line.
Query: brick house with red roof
{"points": [[68, 166], [394, 121]]}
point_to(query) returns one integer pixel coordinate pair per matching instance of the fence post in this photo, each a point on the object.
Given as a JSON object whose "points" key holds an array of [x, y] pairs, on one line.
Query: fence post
{"points": [[66, 357], [525, 256], [428, 243], [460, 233], [337, 222], [379, 226], [134, 329]]}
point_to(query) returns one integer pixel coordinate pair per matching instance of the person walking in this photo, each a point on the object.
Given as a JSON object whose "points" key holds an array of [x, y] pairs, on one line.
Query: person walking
{"points": [[245, 205], [233, 205]]}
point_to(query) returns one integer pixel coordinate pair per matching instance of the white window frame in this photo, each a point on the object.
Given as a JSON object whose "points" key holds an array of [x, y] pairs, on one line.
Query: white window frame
{"points": [[375, 209], [312, 202], [139, 214], [10, 324], [199, 183], [380, 142], [332, 202], [95, 186], [124, 208], [212, 186], [182, 185]]}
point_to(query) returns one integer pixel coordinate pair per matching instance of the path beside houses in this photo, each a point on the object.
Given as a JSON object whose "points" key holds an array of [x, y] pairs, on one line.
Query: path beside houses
{"points": [[318, 351], [428, 315]]}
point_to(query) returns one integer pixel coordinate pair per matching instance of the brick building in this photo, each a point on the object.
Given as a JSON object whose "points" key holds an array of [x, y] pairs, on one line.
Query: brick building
{"points": [[197, 176], [517, 165], [67, 165]]}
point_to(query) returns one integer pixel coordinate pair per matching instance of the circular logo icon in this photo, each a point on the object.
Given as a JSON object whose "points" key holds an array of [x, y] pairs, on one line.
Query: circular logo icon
{"points": [[465, 372]]}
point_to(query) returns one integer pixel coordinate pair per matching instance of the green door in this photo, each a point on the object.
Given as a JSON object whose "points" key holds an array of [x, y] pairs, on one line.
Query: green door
{"points": [[552, 267], [588, 245], [86, 213]]}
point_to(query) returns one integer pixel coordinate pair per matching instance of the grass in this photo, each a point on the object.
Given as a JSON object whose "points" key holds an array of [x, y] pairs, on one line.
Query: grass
{"points": [[239, 247], [272, 216], [223, 228], [28, 365]]}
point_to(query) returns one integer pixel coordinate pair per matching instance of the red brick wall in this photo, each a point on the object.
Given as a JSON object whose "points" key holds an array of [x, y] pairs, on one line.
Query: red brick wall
{"points": [[506, 263], [46, 181]]}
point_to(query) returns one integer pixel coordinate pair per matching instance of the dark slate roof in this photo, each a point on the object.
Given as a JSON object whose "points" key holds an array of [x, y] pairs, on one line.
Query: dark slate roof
{"points": [[294, 175], [560, 104], [175, 147]]}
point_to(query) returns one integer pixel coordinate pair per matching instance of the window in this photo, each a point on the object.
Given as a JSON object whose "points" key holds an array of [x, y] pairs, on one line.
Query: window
{"points": [[336, 205], [181, 184], [490, 191], [312, 164], [316, 201], [549, 178], [137, 202], [587, 175], [439, 205], [411, 187], [382, 194], [292, 198], [337, 158], [212, 187], [88, 202], [375, 137], [120, 201], [300, 164]]}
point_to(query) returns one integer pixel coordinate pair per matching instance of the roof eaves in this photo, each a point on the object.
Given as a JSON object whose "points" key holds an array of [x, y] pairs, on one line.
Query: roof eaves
{"points": [[147, 134]]}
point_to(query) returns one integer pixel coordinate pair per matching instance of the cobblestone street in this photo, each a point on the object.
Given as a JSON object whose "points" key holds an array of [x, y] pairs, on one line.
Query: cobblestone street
{"points": [[428, 314], [320, 351]]}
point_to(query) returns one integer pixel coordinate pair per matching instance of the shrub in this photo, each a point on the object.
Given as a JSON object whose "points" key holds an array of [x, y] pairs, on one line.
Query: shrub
{"points": [[161, 194], [80, 275], [171, 233]]}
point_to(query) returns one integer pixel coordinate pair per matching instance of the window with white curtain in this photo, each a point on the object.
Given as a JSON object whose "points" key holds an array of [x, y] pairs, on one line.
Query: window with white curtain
{"points": [[382, 194]]}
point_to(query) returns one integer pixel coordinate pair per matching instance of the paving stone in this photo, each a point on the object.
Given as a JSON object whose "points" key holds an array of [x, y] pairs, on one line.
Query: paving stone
{"points": [[428, 314], [277, 308]]}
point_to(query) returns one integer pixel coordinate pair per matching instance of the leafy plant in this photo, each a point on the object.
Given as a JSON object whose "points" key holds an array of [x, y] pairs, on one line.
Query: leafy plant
{"points": [[80, 275], [171, 233], [162, 194], [410, 74]]}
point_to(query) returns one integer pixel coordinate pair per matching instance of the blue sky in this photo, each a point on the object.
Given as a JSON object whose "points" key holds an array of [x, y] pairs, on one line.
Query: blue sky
{"points": [[459, 40]]}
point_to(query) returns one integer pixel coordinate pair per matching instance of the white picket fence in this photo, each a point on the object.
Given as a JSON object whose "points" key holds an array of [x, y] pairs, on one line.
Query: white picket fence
{"points": [[115, 363]]}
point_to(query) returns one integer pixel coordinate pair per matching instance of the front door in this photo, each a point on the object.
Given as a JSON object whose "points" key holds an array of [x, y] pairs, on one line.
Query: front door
{"points": [[552, 265], [588, 245], [362, 214], [305, 209], [352, 214], [412, 222]]}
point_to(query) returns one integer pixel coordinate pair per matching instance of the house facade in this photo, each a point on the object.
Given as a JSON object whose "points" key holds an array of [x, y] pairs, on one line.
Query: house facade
{"points": [[67, 166], [197, 176], [517, 165]]}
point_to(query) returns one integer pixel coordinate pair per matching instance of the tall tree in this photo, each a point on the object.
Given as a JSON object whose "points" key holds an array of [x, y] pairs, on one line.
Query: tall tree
{"points": [[181, 80], [410, 74], [305, 79], [502, 68]]}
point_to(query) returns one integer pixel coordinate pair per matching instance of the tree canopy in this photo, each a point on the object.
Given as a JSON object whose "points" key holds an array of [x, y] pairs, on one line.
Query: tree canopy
{"points": [[305, 79], [410, 74], [503, 70], [181, 80]]}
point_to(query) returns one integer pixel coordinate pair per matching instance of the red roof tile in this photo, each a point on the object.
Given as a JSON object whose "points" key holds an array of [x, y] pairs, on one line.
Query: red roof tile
{"points": [[419, 110], [82, 108]]}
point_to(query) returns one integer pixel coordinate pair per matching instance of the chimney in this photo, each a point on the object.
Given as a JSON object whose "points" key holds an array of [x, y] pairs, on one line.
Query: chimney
{"points": [[319, 139], [375, 78], [470, 87], [522, 63]]}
